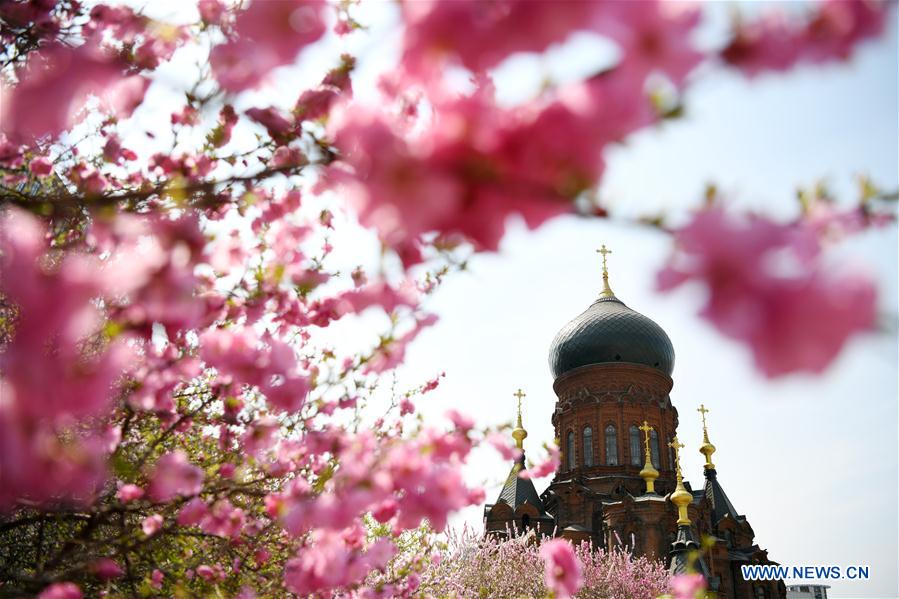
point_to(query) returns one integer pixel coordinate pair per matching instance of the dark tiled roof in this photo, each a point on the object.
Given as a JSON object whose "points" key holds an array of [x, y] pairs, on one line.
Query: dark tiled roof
{"points": [[682, 548], [609, 331], [517, 490], [721, 505]]}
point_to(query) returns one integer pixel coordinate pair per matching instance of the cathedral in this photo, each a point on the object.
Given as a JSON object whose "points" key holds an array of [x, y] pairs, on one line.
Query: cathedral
{"points": [[619, 482]]}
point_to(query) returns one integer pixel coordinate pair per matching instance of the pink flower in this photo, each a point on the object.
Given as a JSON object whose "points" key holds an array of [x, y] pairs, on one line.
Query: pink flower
{"points": [[391, 352], [774, 42], [106, 569], [546, 467], [61, 590], [224, 520], [157, 578], [562, 574], [206, 572], [56, 83], [767, 288], [174, 476], [193, 512], [654, 36], [267, 363], [688, 586], [269, 34], [479, 35], [477, 165], [329, 564], [501, 444], [211, 11], [40, 166], [152, 524], [129, 492], [277, 125]]}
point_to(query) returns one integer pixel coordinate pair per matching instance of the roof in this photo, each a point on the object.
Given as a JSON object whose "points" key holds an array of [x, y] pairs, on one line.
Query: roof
{"points": [[609, 331], [517, 490], [721, 505]]}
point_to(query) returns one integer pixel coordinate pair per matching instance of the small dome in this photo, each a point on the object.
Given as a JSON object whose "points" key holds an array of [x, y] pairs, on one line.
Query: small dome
{"points": [[609, 331]]}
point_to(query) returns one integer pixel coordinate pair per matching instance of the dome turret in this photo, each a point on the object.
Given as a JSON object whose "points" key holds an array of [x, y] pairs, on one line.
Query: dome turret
{"points": [[609, 331]]}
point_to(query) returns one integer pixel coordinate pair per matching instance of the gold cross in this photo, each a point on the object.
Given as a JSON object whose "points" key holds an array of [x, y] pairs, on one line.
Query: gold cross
{"points": [[519, 394], [646, 428], [676, 446], [702, 410], [605, 252]]}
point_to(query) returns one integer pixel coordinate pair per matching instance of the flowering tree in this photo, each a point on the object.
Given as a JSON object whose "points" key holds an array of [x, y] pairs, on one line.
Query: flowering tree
{"points": [[177, 414], [469, 565]]}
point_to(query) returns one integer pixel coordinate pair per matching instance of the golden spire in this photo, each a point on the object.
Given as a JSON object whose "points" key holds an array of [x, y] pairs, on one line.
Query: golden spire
{"points": [[707, 449], [519, 434], [681, 497], [606, 290], [649, 473]]}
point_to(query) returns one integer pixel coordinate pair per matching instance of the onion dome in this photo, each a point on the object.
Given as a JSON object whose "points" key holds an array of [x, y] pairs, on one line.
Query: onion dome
{"points": [[609, 331]]}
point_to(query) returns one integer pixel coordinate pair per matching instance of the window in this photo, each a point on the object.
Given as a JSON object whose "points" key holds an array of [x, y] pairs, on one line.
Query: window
{"points": [[588, 446], [636, 454], [611, 446], [572, 464], [654, 448]]}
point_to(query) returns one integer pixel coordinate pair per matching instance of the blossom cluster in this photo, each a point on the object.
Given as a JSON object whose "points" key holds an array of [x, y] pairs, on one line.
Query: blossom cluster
{"points": [[473, 566]]}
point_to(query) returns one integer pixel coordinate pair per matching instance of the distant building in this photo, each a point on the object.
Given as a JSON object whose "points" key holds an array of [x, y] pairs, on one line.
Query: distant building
{"points": [[807, 591], [619, 482]]}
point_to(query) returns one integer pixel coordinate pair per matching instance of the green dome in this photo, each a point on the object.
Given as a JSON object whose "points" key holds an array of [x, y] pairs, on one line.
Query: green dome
{"points": [[609, 331]]}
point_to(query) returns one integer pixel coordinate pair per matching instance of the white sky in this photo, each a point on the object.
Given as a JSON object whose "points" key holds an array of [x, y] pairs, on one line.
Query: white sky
{"points": [[812, 462]]}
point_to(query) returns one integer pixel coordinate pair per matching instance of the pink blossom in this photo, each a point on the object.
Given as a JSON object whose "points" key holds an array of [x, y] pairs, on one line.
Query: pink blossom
{"points": [[775, 42], [224, 520], [655, 36], [206, 572], [40, 166], [285, 156], [479, 35], [106, 569], [277, 125], [268, 34], [391, 352], [501, 444], [315, 103], [477, 166], [688, 586], [48, 379], [152, 524], [157, 578], [129, 492], [193, 512], [269, 364], [174, 476], [211, 11], [767, 288], [61, 590], [55, 84], [562, 572], [546, 467], [330, 564]]}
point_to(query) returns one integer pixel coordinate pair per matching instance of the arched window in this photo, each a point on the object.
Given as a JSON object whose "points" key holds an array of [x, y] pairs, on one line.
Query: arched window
{"points": [[611, 446], [636, 446], [654, 448], [588, 446], [572, 464]]}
